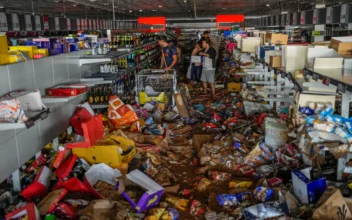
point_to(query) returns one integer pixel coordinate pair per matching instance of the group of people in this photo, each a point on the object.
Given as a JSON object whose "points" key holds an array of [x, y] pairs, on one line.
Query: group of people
{"points": [[202, 68]]}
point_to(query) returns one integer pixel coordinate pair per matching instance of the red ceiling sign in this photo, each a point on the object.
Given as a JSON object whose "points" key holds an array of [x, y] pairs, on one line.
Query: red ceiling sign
{"points": [[152, 24], [226, 21]]}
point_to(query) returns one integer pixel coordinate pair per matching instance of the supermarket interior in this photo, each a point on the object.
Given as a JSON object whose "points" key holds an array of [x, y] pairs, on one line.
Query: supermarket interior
{"points": [[175, 109]]}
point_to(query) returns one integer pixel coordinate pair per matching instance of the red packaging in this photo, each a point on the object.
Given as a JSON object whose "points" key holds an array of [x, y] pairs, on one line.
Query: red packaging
{"points": [[260, 119], [62, 154], [274, 182], [186, 192], [197, 209], [30, 211], [66, 167], [41, 160], [209, 125], [216, 117], [40, 185], [93, 131], [75, 185], [67, 90], [81, 115], [65, 210], [215, 175]]}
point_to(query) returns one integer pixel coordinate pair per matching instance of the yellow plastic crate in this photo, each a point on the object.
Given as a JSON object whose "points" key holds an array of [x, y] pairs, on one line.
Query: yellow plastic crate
{"points": [[112, 150], [31, 50], [144, 98], [43, 51], [4, 47]]}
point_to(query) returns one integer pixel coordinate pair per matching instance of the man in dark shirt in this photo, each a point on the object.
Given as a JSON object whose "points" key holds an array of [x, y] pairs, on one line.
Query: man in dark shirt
{"points": [[169, 55], [208, 74]]}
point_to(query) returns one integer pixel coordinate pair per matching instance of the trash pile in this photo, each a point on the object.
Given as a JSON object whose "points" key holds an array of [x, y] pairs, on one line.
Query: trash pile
{"points": [[203, 159]]}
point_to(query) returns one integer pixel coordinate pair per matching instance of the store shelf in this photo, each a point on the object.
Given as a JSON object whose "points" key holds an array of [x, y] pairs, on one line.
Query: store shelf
{"points": [[57, 99], [32, 118], [90, 59], [101, 106]]}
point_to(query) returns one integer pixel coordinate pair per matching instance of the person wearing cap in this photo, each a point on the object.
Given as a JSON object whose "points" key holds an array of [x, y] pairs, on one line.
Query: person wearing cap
{"points": [[169, 55]]}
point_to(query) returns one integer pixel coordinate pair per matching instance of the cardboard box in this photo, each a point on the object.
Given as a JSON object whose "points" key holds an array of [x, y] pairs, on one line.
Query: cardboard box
{"points": [[250, 44], [29, 211], [305, 188], [39, 187], [234, 87], [181, 107], [112, 150], [281, 39], [152, 195], [67, 90], [275, 61], [343, 45]]}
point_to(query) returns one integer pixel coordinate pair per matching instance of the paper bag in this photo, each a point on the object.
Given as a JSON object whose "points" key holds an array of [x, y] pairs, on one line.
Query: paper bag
{"points": [[196, 59], [332, 205]]}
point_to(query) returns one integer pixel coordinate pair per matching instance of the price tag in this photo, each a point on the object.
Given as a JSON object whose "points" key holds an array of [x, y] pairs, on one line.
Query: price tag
{"points": [[316, 33], [15, 22], [315, 77], [68, 22], [57, 23], [326, 81], [28, 22], [3, 22]]}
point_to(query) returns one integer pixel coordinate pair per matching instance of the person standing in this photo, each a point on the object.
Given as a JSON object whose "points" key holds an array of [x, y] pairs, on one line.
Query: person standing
{"points": [[196, 69], [169, 55], [208, 60]]}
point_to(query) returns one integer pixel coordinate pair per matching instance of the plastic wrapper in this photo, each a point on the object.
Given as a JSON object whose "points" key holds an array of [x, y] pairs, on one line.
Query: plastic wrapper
{"points": [[241, 184], [11, 111], [275, 182], [265, 170], [263, 194], [215, 175], [232, 199], [327, 111], [348, 124], [240, 147], [343, 132], [337, 119], [180, 204], [197, 209], [306, 110], [203, 185], [311, 119], [324, 126], [120, 115], [260, 155]]}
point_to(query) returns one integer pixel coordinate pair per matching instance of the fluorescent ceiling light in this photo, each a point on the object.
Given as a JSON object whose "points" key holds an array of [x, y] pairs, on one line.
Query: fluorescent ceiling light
{"points": [[160, 6]]}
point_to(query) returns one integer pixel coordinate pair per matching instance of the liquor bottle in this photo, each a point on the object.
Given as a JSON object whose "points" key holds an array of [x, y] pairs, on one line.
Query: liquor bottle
{"points": [[118, 41], [106, 97], [109, 93], [102, 96], [91, 96], [96, 96], [122, 41]]}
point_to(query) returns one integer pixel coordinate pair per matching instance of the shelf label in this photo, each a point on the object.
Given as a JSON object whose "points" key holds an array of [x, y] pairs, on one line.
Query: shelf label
{"points": [[57, 23], [315, 77], [3, 22], [68, 22], [326, 81], [15, 22]]}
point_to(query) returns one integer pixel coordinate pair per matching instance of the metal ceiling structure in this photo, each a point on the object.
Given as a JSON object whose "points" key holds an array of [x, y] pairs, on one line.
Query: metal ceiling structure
{"points": [[172, 9]]}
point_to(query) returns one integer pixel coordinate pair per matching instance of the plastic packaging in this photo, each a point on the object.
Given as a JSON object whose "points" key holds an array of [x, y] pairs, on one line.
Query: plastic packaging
{"points": [[263, 194], [232, 199]]}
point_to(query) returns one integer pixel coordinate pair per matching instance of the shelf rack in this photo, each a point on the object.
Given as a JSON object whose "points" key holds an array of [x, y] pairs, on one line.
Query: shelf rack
{"points": [[90, 59]]}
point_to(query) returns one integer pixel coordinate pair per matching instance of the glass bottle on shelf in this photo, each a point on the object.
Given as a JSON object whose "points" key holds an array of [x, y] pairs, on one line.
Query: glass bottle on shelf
{"points": [[91, 96], [96, 96], [102, 96], [117, 41]]}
